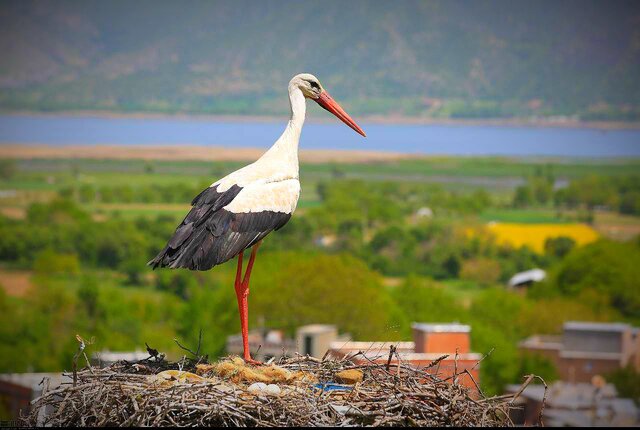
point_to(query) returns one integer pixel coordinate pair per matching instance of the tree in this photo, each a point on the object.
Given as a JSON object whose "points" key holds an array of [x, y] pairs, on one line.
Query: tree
{"points": [[558, 247], [87, 193], [590, 191], [536, 364], [608, 267], [424, 300], [542, 189], [135, 269], [484, 271], [451, 266], [8, 169], [58, 211], [89, 293], [630, 203], [523, 196], [182, 283], [48, 262], [295, 289]]}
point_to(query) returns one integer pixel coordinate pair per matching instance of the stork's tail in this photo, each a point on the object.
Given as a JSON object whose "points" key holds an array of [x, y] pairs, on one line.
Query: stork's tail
{"points": [[158, 260]]}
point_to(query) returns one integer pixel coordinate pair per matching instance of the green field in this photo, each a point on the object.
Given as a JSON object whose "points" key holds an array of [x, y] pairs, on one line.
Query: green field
{"points": [[77, 234], [37, 179], [526, 216]]}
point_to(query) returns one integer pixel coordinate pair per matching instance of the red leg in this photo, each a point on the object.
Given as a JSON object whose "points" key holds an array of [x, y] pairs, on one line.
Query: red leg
{"points": [[243, 306], [239, 270], [247, 274], [242, 294]]}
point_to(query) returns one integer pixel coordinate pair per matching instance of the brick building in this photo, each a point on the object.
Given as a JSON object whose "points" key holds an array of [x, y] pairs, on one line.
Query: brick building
{"points": [[586, 349], [430, 342]]}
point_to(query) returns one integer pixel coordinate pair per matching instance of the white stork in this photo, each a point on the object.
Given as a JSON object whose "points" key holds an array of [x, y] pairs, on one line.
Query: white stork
{"points": [[239, 210]]}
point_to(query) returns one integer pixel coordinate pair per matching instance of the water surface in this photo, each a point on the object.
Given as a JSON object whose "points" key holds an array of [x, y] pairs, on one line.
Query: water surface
{"points": [[418, 139]]}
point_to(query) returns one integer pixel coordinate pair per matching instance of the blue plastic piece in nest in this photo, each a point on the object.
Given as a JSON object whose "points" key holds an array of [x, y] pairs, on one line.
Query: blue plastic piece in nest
{"points": [[333, 387]]}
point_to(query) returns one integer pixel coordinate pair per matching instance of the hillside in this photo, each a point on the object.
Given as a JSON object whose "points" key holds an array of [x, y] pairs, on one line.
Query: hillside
{"points": [[447, 59]]}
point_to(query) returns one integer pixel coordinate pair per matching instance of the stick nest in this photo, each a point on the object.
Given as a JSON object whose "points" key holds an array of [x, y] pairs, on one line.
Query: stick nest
{"points": [[189, 394]]}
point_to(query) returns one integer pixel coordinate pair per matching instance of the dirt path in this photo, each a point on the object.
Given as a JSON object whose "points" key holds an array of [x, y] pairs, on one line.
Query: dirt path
{"points": [[15, 283], [172, 153]]}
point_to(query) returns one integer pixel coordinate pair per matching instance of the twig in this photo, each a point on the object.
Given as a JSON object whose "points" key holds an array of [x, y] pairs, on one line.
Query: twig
{"points": [[175, 339], [455, 368], [482, 359], [392, 350], [524, 385], [74, 363], [199, 342]]}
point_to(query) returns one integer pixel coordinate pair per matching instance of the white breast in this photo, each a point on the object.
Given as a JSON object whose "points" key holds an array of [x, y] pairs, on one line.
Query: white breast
{"points": [[281, 196]]}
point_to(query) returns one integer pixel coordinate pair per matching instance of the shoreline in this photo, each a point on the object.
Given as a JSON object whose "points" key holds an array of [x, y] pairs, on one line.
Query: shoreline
{"points": [[186, 153], [559, 122], [35, 151]]}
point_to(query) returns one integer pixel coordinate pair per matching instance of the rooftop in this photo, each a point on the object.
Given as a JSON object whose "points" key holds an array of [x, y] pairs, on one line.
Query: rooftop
{"points": [[594, 326], [371, 346], [442, 327], [568, 395], [542, 342], [317, 328], [33, 381], [533, 275], [591, 355], [107, 356]]}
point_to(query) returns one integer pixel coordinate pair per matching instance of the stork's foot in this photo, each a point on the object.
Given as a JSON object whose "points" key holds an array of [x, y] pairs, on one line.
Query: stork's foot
{"points": [[253, 362]]}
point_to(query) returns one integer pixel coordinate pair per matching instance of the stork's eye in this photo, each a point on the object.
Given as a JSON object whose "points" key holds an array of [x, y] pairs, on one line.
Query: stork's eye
{"points": [[314, 85]]}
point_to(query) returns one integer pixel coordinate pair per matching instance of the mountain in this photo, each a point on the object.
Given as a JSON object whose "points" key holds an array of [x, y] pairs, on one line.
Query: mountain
{"points": [[484, 58]]}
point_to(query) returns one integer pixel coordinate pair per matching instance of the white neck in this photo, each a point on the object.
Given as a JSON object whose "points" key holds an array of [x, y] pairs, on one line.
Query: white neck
{"points": [[298, 106], [285, 150]]}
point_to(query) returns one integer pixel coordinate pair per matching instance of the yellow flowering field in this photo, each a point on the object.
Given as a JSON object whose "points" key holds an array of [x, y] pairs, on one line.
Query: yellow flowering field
{"points": [[534, 235]]}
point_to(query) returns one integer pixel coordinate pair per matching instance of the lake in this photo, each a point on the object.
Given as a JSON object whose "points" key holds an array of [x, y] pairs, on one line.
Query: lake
{"points": [[418, 139]]}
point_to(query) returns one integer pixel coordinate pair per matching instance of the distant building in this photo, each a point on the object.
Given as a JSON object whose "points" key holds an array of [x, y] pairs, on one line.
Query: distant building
{"points": [[574, 405], [326, 240], [313, 340], [586, 349], [431, 342], [527, 278], [316, 339], [263, 344], [17, 390], [424, 212], [106, 358]]}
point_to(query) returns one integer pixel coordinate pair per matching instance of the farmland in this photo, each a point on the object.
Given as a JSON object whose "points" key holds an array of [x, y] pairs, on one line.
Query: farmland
{"points": [[535, 235], [76, 234]]}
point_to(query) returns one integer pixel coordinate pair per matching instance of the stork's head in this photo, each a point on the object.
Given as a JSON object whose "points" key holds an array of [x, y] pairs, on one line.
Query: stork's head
{"points": [[313, 89]]}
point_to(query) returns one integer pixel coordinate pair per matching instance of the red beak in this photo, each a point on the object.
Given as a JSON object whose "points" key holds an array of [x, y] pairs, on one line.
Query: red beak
{"points": [[332, 106]]}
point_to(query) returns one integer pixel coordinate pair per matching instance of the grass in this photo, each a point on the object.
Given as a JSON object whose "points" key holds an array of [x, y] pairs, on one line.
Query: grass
{"points": [[464, 291], [522, 216], [617, 226], [136, 210], [462, 169], [39, 179]]}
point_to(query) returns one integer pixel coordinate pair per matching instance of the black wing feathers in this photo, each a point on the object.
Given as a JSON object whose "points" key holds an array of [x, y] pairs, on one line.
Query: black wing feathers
{"points": [[210, 235]]}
